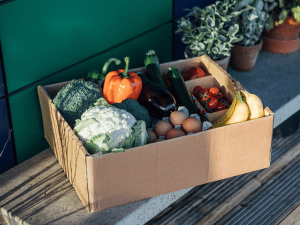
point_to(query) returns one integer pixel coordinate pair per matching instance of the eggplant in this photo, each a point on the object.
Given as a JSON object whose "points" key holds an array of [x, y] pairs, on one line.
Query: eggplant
{"points": [[159, 102]]}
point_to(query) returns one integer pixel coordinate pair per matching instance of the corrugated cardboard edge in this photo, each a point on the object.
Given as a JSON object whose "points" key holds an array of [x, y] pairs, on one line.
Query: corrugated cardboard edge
{"points": [[268, 112], [68, 150]]}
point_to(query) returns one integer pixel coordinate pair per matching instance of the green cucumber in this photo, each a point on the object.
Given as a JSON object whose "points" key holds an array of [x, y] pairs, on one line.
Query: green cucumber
{"points": [[153, 70], [180, 91]]}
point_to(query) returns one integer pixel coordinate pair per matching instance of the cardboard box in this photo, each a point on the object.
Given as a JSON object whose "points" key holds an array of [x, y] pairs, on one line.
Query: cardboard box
{"points": [[138, 173]]}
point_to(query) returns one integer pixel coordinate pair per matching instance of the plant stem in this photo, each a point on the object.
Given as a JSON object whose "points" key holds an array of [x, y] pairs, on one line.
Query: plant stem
{"points": [[125, 73], [105, 67]]}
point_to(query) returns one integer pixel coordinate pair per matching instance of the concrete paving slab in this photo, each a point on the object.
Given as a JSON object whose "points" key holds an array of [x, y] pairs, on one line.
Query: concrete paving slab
{"points": [[275, 78]]}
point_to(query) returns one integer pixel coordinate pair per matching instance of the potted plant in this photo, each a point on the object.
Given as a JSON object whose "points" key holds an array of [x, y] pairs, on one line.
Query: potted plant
{"points": [[210, 31], [281, 34], [251, 22]]}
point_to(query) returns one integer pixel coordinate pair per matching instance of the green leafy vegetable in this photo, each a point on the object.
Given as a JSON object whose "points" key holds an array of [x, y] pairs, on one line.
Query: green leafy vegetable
{"points": [[75, 98]]}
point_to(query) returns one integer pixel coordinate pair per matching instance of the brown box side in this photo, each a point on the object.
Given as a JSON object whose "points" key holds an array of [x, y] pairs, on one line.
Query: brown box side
{"points": [[180, 163], [148, 171], [65, 144], [120, 178], [240, 148]]}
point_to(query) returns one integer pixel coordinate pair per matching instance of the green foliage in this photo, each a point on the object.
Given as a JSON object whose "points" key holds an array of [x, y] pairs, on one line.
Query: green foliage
{"points": [[210, 30], [75, 98], [98, 143], [280, 10], [134, 108], [253, 21], [140, 133]]}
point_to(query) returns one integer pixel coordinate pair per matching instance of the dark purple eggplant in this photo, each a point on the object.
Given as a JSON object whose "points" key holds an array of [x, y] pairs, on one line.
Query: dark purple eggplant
{"points": [[159, 102]]}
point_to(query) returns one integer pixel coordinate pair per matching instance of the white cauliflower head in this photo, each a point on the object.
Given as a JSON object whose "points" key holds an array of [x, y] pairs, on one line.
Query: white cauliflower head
{"points": [[100, 120], [105, 128]]}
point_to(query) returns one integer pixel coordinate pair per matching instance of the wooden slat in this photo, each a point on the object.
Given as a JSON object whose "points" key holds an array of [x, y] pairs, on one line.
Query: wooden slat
{"points": [[253, 185]]}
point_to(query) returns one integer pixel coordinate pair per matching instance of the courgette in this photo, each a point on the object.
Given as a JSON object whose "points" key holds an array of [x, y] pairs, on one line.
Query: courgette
{"points": [[153, 70], [159, 102], [180, 92]]}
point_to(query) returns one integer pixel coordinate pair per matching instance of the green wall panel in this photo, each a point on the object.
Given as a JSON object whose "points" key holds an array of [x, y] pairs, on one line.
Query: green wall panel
{"points": [[42, 37], [25, 107]]}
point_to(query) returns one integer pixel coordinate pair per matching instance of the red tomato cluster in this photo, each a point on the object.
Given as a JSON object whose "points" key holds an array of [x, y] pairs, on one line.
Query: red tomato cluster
{"points": [[211, 99], [191, 73]]}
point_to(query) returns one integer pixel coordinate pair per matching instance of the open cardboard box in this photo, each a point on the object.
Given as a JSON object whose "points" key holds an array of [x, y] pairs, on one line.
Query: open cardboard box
{"points": [[110, 180]]}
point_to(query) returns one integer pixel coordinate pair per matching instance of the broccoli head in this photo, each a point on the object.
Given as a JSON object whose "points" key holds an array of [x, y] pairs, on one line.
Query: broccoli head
{"points": [[75, 98], [134, 108]]}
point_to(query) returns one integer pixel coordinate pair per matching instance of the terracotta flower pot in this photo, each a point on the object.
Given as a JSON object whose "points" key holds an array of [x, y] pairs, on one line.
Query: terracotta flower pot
{"points": [[222, 63], [288, 30], [243, 58], [283, 38], [280, 46]]}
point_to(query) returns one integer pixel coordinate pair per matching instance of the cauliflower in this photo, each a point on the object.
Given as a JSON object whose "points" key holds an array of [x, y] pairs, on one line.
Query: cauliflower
{"points": [[106, 128]]}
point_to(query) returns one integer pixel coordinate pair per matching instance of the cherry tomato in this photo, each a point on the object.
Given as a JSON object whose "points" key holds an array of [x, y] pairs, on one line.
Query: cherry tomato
{"points": [[214, 91], [205, 96], [212, 103], [198, 90], [220, 95], [220, 106], [225, 102]]}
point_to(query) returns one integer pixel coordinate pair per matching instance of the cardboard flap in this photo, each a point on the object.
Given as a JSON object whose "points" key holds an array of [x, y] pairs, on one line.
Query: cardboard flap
{"points": [[268, 112], [223, 78], [45, 104]]}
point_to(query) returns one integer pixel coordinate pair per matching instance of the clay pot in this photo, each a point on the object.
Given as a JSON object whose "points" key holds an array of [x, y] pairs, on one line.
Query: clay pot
{"points": [[243, 58], [284, 38], [223, 63], [288, 30], [280, 46]]}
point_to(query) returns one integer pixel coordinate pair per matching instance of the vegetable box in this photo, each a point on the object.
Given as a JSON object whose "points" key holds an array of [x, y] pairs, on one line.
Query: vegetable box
{"points": [[114, 179]]}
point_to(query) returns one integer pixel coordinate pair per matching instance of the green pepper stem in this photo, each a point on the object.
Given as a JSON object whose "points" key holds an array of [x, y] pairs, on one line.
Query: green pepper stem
{"points": [[107, 63], [125, 73]]}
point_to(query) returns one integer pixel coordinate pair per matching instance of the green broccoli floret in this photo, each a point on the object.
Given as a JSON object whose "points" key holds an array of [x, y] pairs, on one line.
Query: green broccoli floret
{"points": [[134, 108], [75, 98]]}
